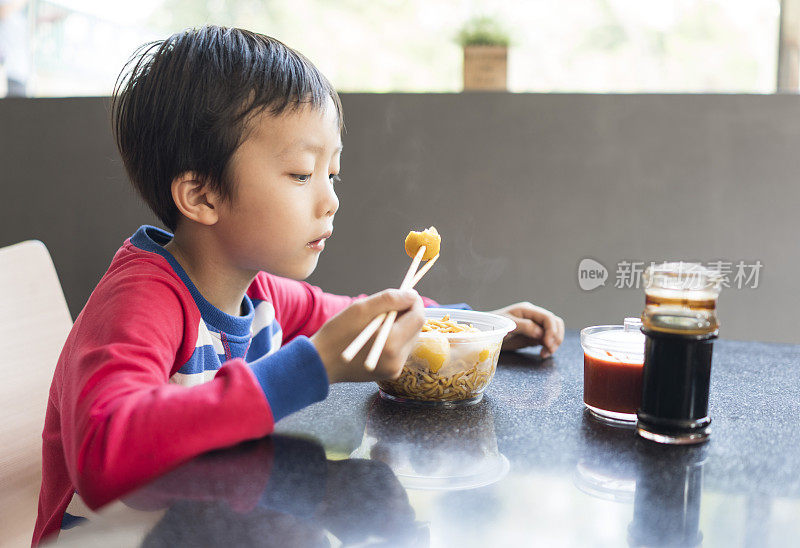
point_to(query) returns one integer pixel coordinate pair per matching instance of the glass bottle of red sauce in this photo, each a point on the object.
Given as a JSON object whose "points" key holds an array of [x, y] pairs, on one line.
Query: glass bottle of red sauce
{"points": [[680, 324], [613, 356]]}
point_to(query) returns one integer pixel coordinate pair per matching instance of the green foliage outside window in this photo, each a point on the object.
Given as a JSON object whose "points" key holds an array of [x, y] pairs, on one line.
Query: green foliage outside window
{"points": [[483, 31]]}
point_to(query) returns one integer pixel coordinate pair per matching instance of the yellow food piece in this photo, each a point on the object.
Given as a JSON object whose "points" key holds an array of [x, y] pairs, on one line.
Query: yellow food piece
{"points": [[480, 355], [434, 351], [429, 238]]}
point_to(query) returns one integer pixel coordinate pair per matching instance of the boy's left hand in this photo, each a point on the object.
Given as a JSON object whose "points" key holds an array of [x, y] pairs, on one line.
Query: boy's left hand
{"points": [[535, 325]]}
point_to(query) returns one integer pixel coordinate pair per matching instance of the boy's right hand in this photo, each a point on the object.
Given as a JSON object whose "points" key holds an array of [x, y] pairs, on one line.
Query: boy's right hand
{"points": [[338, 332]]}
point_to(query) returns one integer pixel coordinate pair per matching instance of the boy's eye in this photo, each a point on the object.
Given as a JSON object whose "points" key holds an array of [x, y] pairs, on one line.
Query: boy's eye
{"points": [[334, 178], [301, 177]]}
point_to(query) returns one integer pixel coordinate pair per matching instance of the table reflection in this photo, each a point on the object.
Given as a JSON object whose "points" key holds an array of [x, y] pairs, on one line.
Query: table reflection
{"points": [[442, 449], [669, 488], [278, 491], [664, 483], [597, 474]]}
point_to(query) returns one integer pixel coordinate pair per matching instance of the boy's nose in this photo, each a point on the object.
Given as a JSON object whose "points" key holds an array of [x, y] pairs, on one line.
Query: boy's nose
{"points": [[330, 201]]}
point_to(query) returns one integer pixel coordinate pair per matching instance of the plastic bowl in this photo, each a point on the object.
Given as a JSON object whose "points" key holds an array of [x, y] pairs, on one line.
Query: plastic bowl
{"points": [[450, 369]]}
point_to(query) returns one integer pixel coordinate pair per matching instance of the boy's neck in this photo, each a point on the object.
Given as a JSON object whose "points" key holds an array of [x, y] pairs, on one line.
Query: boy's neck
{"points": [[205, 263]]}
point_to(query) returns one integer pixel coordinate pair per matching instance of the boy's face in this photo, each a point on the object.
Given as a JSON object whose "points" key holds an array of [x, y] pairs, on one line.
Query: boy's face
{"points": [[283, 197]]}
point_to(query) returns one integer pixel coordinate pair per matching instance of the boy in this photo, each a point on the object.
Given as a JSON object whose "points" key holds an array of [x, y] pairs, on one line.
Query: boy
{"points": [[203, 338]]}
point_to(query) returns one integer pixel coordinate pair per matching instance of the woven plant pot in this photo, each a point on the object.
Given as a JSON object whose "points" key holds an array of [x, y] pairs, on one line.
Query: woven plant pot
{"points": [[485, 68]]}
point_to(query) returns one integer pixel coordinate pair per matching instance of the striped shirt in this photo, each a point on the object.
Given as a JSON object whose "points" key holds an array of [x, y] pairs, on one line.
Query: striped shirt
{"points": [[152, 374]]}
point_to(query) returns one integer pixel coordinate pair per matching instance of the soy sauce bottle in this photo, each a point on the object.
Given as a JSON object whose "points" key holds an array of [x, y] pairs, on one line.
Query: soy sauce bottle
{"points": [[680, 324]]}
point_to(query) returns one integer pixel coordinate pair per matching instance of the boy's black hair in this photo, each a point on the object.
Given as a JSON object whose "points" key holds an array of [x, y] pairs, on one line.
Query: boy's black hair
{"points": [[183, 104]]}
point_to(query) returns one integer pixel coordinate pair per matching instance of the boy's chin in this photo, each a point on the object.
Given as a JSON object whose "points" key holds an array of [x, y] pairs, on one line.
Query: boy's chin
{"points": [[305, 271], [295, 272]]}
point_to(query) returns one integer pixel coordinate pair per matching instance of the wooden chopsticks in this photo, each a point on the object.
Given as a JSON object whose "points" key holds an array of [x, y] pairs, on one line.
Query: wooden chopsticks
{"points": [[411, 279]]}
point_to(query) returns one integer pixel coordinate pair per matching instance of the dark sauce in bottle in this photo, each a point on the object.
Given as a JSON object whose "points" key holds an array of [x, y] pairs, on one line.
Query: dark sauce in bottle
{"points": [[680, 325]]}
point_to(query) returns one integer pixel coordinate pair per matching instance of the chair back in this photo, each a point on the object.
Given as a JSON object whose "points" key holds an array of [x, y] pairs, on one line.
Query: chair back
{"points": [[34, 323]]}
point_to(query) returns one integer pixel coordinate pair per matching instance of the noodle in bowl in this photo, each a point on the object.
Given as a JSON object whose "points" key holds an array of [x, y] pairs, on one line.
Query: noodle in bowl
{"points": [[453, 360]]}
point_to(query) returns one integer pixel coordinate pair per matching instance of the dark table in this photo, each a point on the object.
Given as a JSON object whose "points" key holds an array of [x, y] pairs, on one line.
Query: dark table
{"points": [[526, 466]]}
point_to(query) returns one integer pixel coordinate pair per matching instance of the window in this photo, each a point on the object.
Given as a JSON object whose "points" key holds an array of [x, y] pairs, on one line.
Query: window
{"points": [[79, 46]]}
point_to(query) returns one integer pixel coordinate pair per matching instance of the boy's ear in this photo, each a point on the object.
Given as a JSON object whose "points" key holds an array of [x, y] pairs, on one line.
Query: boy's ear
{"points": [[195, 199]]}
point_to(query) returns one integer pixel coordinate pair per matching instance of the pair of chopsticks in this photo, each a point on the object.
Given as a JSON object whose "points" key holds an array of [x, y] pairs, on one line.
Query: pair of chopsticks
{"points": [[412, 277]]}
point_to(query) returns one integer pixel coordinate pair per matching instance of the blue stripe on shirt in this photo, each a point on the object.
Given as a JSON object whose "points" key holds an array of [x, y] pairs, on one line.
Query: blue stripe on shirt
{"points": [[292, 378]]}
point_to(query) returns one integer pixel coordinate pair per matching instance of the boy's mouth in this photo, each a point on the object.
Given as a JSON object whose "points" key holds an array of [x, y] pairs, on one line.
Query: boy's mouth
{"points": [[319, 243]]}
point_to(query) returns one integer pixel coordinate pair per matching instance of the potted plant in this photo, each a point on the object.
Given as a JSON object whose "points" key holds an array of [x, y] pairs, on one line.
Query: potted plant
{"points": [[485, 42]]}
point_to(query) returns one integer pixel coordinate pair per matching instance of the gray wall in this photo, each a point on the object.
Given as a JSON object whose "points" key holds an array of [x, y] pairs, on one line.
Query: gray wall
{"points": [[522, 186]]}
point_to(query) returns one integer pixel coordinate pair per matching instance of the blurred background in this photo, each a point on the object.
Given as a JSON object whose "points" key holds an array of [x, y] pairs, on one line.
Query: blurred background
{"points": [[616, 131], [76, 47]]}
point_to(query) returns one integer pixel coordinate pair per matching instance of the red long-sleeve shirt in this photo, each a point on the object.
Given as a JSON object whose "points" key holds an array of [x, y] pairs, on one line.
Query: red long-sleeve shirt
{"points": [[152, 375]]}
